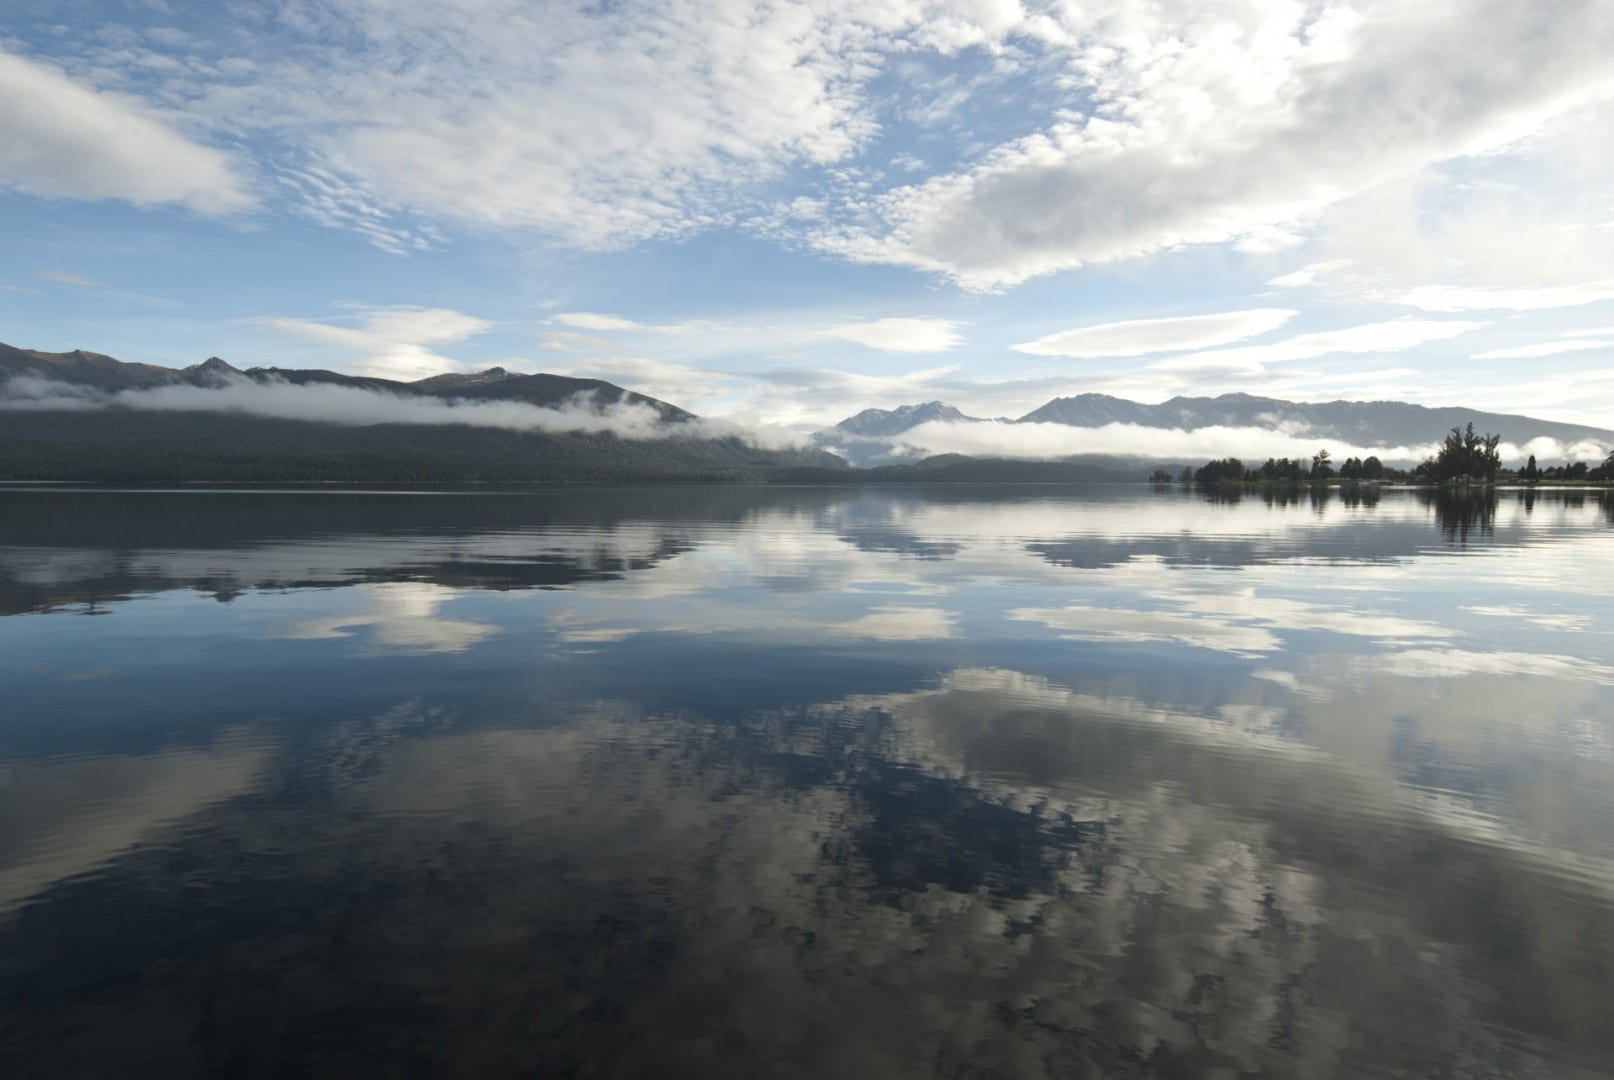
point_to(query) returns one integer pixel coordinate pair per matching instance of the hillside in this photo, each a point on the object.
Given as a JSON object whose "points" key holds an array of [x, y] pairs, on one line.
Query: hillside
{"points": [[125, 435], [1360, 423], [874, 437]]}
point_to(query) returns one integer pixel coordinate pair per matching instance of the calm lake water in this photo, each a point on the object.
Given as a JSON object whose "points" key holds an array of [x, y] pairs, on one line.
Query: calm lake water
{"points": [[1046, 782]]}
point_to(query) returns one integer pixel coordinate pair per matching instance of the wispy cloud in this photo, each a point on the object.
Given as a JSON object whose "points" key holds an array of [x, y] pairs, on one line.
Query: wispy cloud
{"points": [[393, 342], [1307, 275], [1042, 441], [900, 335], [591, 320], [602, 125], [1139, 337], [1455, 298], [1235, 129], [1395, 335], [64, 277], [404, 618], [322, 195], [1543, 348]]}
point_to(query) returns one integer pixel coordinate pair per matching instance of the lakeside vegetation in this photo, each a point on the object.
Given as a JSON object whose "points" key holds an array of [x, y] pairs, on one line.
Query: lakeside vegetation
{"points": [[1466, 458]]}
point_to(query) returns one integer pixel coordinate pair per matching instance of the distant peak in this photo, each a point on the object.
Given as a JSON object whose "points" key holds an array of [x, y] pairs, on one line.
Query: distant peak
{"points": [[877, 422], [912, 410], [464, 378], [213, 365]]}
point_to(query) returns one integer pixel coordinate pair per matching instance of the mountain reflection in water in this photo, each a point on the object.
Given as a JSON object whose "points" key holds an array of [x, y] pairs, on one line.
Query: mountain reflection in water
{"points": [[725, 781]]}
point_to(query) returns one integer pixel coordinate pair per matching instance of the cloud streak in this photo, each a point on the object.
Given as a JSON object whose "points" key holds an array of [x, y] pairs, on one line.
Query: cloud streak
{"points": [[1396, 335], [1139, 337], [900, 335], [1042, 441], [1455, 298]]}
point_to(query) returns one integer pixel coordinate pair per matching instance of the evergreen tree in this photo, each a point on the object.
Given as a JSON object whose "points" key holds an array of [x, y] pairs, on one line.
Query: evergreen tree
{"points": [[1465, 454]]}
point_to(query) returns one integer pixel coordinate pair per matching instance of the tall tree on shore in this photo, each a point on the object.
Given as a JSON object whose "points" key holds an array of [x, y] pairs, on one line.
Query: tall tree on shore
{"points": [[1466, 454], [1320, 467]]}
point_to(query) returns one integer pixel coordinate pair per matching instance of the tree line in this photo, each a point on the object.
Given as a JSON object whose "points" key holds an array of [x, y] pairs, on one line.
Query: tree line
{"points": [[1465, 457]]}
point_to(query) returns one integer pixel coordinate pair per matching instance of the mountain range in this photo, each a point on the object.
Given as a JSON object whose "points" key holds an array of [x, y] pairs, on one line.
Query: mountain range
{"points": [[104, 373], [873, 436], [87, 416]]}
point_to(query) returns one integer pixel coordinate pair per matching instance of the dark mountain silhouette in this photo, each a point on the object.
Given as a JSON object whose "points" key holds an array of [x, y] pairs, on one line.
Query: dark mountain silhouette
{"points": [[872, 437], [138, 445], [124, 444], [1359, 423], [87, 369], [495, 384]]}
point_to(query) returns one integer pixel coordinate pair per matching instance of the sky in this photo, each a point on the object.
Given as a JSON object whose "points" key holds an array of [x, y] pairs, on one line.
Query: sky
{"points": [[781, 213]]}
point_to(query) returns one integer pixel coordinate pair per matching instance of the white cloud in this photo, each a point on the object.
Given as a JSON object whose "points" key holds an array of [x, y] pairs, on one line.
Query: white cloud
{"points": [[1465, 664], [1455, 298], [682, 384], [1079, 623], [808, 398], [390, 342], [1244, 621], [61, 139], [599, 124], [1307, 275], [899, 622], [1267, 240], [994, 438], [54, 833], [590, 320], [1396, 335], [900, 335], [405, 619], [321, 195], [599, 635], [1545, 348], [1236, 122], [1138, 337]]}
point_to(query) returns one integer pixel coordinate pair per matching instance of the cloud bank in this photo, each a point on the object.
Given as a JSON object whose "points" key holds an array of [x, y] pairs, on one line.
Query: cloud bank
{"points": [[1236, 123], [355, 407], [1040, 441]]}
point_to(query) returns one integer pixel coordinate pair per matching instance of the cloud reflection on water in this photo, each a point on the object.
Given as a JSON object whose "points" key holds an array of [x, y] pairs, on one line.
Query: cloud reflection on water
{"points": [[816, 783]]}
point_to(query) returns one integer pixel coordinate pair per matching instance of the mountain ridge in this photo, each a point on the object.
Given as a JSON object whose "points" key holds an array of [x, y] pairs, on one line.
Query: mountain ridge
{"points": [[234, 443], [587, 437], [1364, 423], [106, 373]]}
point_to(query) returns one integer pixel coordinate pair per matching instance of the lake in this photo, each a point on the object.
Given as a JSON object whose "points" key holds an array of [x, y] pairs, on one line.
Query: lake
{"points": [[727, 781]]}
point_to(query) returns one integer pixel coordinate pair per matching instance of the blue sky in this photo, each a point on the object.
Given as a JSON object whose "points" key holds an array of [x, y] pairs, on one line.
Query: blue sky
{"points": [[786, 212]]}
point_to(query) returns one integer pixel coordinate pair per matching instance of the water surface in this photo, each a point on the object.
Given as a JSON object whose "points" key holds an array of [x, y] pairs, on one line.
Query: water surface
{"points": [[780, 782]]}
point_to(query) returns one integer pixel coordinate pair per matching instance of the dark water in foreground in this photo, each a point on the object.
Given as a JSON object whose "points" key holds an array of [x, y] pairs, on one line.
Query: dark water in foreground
{"points": [[729, 782]]}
